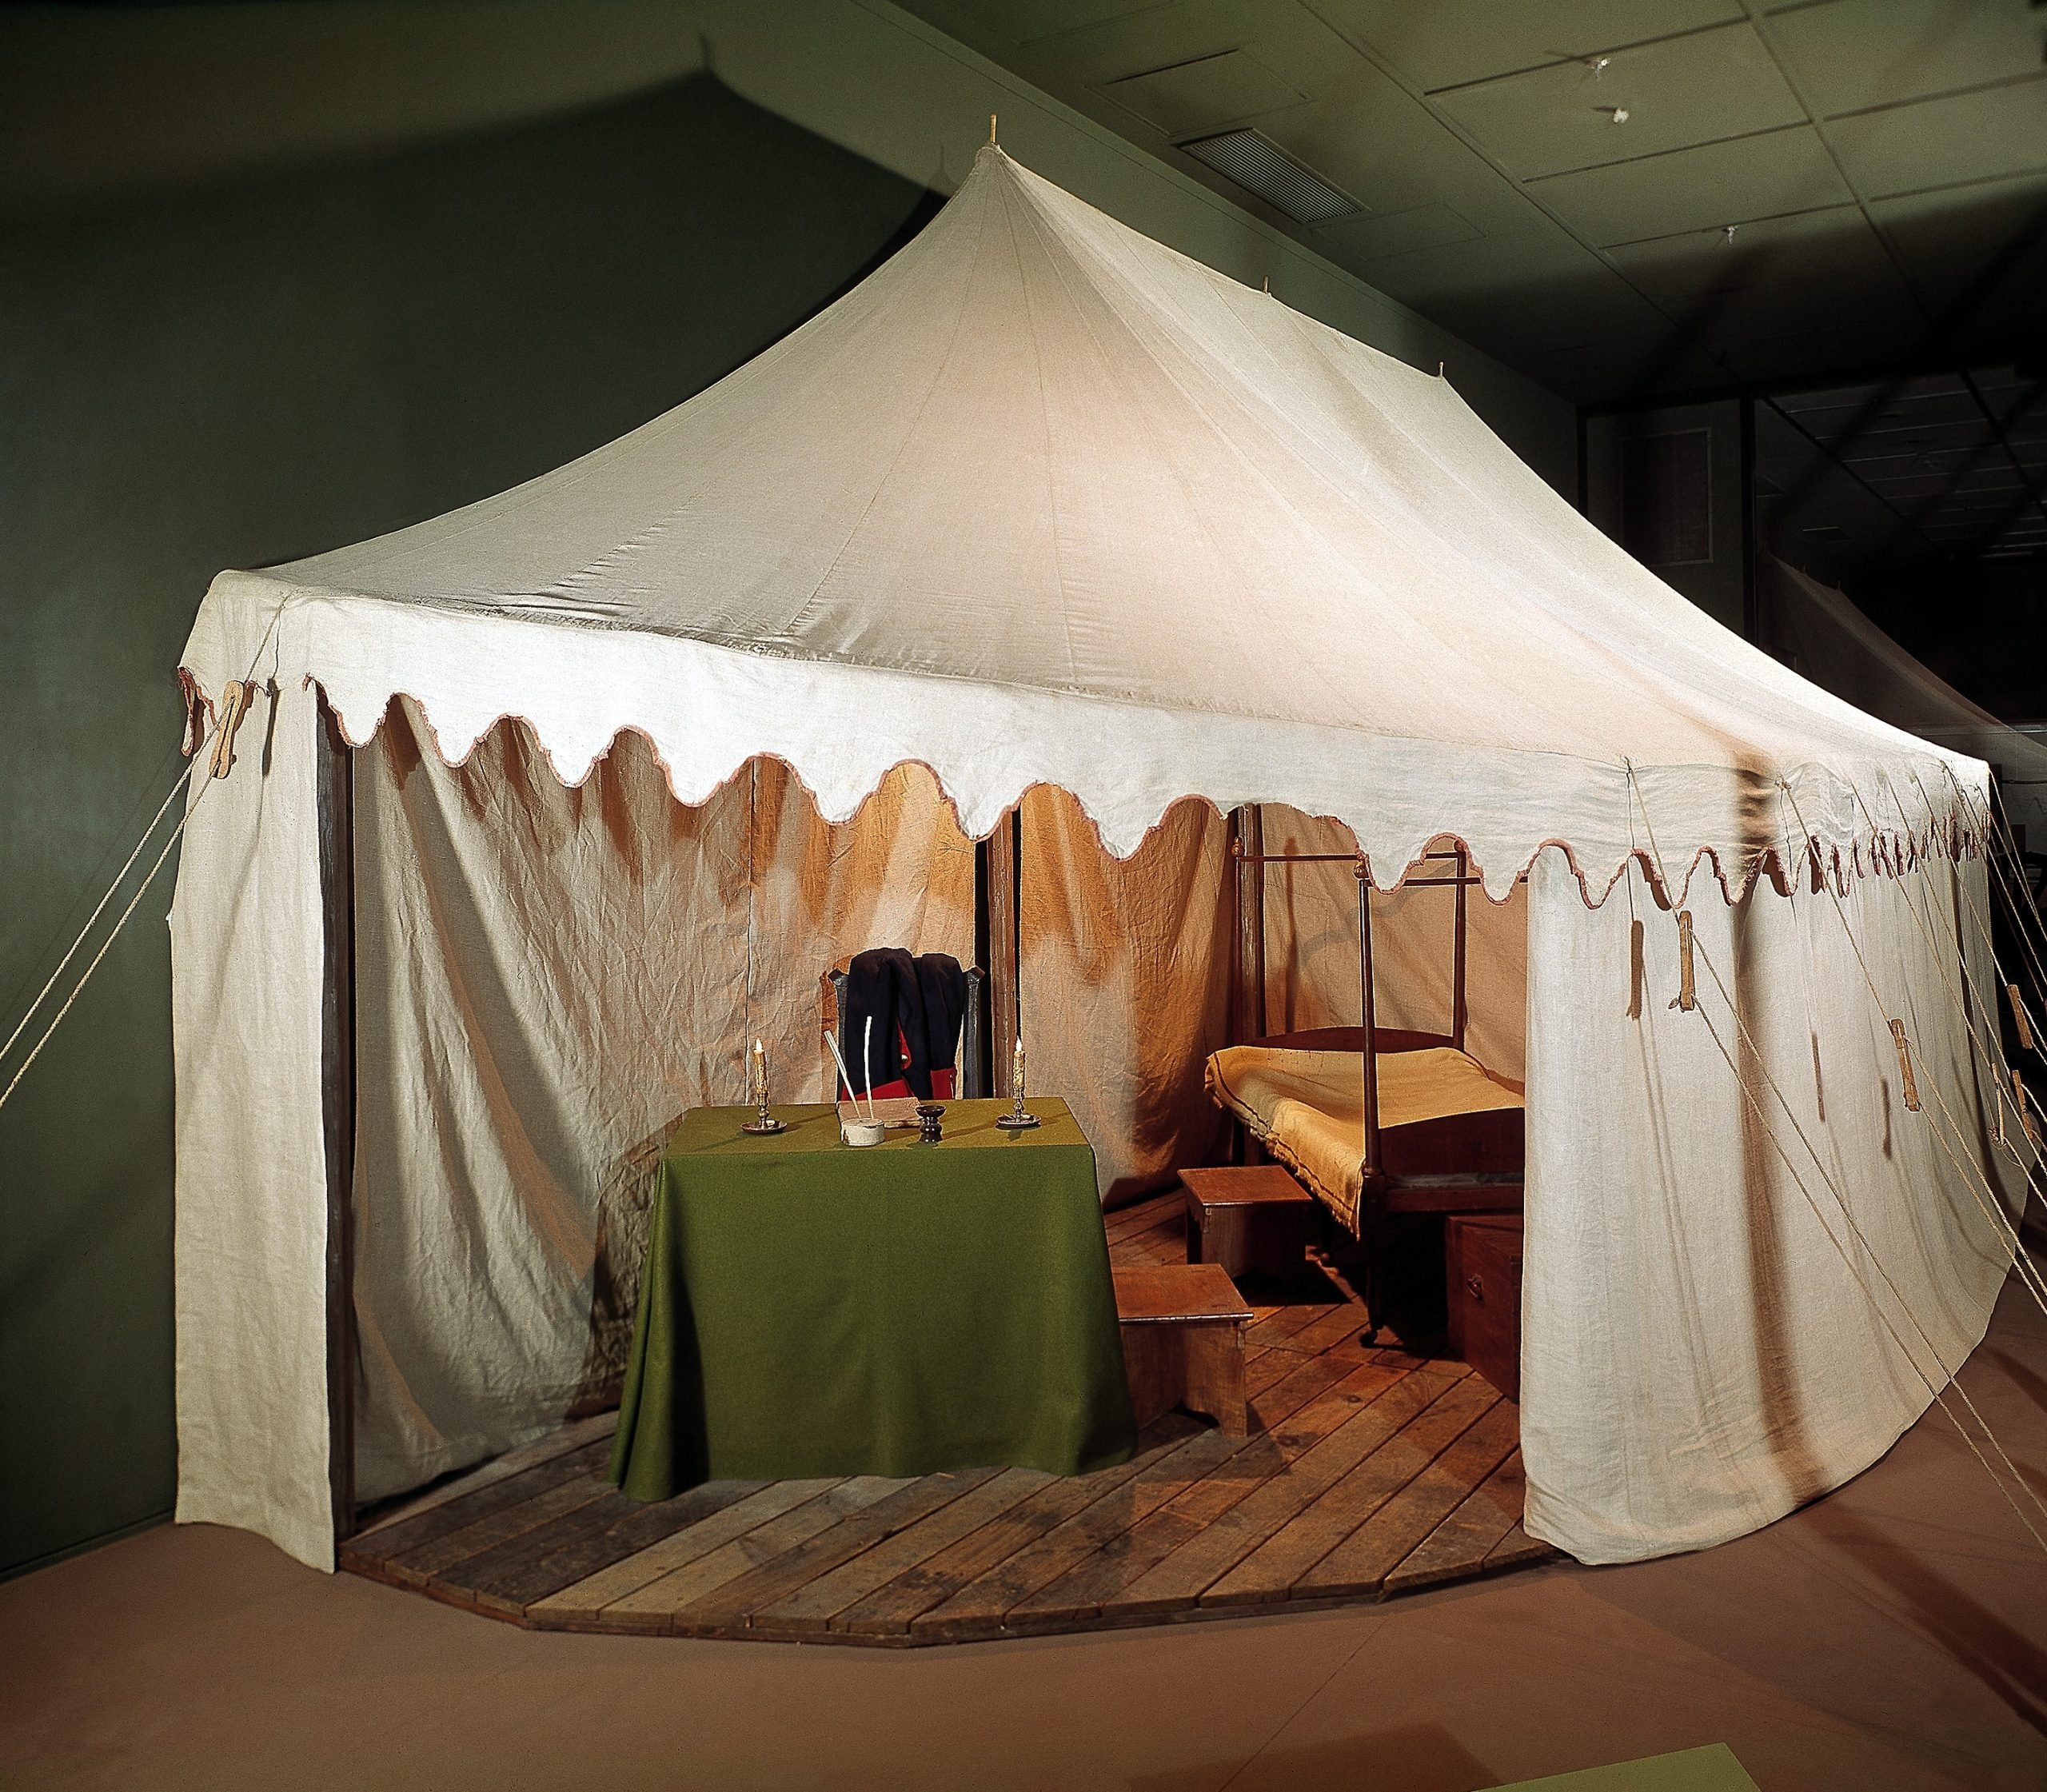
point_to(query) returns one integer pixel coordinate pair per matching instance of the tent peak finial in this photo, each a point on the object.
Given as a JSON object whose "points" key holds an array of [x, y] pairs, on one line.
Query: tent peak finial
{"points": [[990, 128]]}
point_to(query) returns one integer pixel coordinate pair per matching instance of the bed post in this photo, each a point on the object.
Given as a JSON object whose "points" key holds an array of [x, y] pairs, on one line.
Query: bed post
{"points": [[1367, 1012], [1459, 1009], [335, 781], [1247, 992], [1369, 1167]]}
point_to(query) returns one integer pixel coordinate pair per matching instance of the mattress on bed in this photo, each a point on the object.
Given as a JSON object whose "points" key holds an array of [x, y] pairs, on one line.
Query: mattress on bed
{"points": [[1307, 1108]]}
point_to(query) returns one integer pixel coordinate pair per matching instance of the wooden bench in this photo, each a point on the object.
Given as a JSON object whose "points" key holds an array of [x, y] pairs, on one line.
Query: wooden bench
{"points": [[1183, 1342], [1249, 1221]]}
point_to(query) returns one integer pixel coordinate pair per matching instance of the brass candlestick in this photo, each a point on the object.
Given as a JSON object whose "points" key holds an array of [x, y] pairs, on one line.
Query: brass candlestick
{"points": [[1016, 1119], [764, 1122]]}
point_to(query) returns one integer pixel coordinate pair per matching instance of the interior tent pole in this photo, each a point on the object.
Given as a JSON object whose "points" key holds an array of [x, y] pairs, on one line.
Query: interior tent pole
{"points": [[1005, 872], [337, 1088]]}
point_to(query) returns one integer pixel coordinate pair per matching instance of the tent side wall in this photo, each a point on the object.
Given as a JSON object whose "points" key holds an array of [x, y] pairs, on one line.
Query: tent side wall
{"points": [[1751, 1264], [249, 970]]}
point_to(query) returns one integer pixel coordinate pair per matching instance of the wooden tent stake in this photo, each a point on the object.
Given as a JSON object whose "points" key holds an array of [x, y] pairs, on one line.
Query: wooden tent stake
{"points": [[235, 699], [1905, 1065], [1687, 996], [2025, 1111], [2018, 1017]]}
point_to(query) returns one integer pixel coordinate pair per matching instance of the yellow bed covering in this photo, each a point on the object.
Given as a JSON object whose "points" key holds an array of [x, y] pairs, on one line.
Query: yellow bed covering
{"points": [[1307, 1108]]}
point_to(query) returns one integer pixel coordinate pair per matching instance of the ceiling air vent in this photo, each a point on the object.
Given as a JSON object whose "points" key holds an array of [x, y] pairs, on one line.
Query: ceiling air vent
{"points": [[1261, 168]]}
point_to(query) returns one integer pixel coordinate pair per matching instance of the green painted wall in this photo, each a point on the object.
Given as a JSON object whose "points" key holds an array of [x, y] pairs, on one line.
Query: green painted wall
{"points": [[276, 279], [241, 374]]}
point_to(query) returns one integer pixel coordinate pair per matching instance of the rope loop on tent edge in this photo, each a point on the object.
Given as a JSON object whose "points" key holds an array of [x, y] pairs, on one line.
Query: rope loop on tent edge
{"points": [[2001, 1223], [1934, 1389], [1993, 1053], [1951, 1376], [237, 698]]}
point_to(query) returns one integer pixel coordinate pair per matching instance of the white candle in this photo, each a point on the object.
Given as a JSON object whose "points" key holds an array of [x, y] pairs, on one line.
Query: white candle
{"points": [[1016, 1070], [759, 1071]]}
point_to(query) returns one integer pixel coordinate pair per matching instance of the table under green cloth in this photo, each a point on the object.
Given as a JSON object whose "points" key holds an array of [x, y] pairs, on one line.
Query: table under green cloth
{"points": [[812, 1308]]}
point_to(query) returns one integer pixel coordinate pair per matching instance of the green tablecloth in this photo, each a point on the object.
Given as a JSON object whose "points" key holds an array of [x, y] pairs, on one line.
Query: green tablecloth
{"points": [[811, 1309]]}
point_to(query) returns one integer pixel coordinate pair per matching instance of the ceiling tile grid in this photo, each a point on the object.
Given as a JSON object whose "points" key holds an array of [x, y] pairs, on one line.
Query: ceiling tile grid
{"points": [[1437, 44], [1958, 461], [1204, 95], [1963, 137], [1556, 179], [1705, 187], [1856, 55], [1646, 98]]}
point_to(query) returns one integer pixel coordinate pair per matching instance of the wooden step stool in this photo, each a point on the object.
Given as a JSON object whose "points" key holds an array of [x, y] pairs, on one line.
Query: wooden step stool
{"points": [[1251, 1221], [1182, 1329]]}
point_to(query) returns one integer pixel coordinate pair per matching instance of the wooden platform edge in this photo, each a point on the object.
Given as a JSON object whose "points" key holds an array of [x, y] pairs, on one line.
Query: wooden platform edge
{"points": [[1521, 1551], [433, 1541]]}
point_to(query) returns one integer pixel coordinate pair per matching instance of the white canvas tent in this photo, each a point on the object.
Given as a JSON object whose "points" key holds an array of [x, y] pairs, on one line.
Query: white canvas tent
{"points": [[1044, 507]]}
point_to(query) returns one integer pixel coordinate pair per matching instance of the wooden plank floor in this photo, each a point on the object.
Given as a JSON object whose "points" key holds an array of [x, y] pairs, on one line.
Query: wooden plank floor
{"points": [[1366, 1472]]}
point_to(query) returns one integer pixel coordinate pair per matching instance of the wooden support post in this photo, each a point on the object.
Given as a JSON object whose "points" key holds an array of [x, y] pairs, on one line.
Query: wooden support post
{"points": [[336, 826], [1004, 861]]}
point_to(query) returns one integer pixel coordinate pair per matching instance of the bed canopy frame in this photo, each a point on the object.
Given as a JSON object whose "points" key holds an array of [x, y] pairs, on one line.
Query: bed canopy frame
{"points": [[1462, 1147]]}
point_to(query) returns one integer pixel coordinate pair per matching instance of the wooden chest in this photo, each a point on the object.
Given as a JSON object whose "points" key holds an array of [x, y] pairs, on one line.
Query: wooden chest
{"points": [[1482, 1252]]}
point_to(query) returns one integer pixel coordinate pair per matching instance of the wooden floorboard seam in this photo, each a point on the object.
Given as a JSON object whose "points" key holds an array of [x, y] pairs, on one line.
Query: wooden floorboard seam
{"points": [[1369, 1471]]}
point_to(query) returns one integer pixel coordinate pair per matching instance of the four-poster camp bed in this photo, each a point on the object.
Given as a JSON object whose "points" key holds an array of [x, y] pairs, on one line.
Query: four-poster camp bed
{"points": [[1412, 1124]]}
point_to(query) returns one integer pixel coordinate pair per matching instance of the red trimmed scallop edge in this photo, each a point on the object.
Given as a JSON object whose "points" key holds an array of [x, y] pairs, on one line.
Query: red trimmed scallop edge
{"points": [[1888, 854]]}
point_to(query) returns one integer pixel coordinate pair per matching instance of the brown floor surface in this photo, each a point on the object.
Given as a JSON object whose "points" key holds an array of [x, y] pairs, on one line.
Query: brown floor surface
{"points": [[1892, 1635], [1366, 1471]]}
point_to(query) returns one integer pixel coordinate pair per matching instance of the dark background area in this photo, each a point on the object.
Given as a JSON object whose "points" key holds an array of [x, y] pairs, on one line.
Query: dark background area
{"points": [[243, 371]]}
